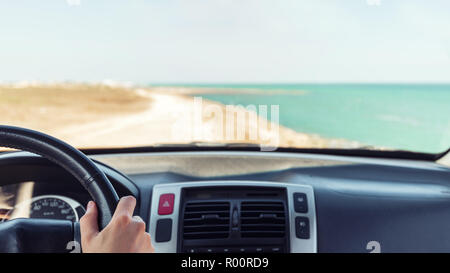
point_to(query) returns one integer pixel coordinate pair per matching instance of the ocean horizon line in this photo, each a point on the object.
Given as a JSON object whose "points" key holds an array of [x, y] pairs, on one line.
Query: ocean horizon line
{"points": [[296, 83]]}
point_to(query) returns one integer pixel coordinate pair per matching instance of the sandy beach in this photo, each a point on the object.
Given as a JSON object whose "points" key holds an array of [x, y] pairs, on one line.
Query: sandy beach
{"points": [[106, 115]]}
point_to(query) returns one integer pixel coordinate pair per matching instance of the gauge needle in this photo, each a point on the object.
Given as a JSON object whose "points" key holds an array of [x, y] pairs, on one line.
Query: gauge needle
{"points": [[4, 214]]}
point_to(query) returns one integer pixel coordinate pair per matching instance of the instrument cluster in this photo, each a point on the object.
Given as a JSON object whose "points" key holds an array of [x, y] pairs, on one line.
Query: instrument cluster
{"points": [[19, 201]]}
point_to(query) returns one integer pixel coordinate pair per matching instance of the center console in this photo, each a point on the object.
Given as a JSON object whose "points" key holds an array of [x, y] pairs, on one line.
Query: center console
{"points": [[233, 217]]}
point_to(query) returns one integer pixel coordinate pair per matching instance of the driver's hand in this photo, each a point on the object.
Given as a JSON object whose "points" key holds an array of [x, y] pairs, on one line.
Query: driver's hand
{"points": [[125, 233]]}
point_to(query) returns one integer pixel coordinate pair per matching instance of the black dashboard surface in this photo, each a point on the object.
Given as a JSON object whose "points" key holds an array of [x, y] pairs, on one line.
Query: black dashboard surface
{"points": [[404, 209]]}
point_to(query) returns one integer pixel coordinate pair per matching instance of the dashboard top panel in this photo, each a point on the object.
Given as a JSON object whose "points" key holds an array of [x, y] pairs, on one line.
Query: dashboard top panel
{"points": [[220, 163], [357, 199]]}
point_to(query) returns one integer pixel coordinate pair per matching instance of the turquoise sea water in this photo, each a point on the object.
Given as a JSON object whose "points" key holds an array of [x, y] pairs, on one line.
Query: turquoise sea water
{"points": [[399, 116]]}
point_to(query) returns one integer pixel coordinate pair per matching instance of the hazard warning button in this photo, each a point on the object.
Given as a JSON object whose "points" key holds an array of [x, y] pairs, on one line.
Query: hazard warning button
{"points": [[166, 204]]}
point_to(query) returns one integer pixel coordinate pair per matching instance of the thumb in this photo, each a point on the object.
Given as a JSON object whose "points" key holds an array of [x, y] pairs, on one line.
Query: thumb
{"points": [[88, 223]]}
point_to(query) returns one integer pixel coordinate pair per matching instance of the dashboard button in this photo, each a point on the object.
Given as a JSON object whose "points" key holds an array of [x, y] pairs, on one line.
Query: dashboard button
{"points": [[300, 202], [233, 250], [275, 249], [227, 250], [165, 206], [259, 249], [256, 249], [302, 227], [163, 230], [207, 250], [242, 250], [191, 250]]}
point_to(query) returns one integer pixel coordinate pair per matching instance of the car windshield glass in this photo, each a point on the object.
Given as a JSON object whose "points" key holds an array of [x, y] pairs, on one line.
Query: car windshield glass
{"points": [[362, 74]]}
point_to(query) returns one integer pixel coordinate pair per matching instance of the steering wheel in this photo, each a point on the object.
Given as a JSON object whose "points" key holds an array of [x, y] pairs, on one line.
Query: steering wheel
{"points": [[73, 161]]}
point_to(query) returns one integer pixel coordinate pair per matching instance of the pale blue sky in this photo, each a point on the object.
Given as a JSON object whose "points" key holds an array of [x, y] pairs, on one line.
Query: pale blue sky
{"points": [[170, 41]]}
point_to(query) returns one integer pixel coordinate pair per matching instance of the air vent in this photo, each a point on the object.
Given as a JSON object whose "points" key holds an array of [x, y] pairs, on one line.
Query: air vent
{"points": [[206, 220], [263, 219]]}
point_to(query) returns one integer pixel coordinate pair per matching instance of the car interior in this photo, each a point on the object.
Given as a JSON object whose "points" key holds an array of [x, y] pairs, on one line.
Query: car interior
{"points": [[244, 129], [229, 199]]}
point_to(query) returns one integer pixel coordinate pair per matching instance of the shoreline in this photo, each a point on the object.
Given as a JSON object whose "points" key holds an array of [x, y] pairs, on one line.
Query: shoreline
{"points": [[182, 90], [99, 115]]}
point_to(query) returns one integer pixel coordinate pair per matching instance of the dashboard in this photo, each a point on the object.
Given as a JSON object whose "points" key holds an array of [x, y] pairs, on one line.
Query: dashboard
{"points": [[250, 202]]}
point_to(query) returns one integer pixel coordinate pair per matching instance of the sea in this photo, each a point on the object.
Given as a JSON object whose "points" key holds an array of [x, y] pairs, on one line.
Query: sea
{"points": [[413, 117]]}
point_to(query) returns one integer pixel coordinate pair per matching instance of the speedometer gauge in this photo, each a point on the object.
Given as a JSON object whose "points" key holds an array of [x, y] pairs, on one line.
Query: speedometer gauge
{"points": [[52, 208], [55, 207]]}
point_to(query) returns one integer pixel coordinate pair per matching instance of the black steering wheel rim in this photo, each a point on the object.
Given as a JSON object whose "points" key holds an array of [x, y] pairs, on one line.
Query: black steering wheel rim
{"points": [[70, 159]]}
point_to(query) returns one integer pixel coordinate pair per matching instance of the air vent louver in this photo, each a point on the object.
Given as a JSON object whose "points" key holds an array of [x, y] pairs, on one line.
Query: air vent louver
{"points": [[263, 219], [206, 220]]}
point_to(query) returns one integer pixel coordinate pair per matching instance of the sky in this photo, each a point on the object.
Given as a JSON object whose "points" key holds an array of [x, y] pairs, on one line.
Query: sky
{"points": [[225, 41]]}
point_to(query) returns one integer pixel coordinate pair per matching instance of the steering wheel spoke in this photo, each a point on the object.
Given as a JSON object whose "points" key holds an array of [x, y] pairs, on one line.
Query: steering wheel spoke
{"points": [[37, 235]]}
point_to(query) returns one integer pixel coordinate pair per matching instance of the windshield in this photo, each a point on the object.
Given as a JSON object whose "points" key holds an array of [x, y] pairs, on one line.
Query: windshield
{"points": [[361, 74]]}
